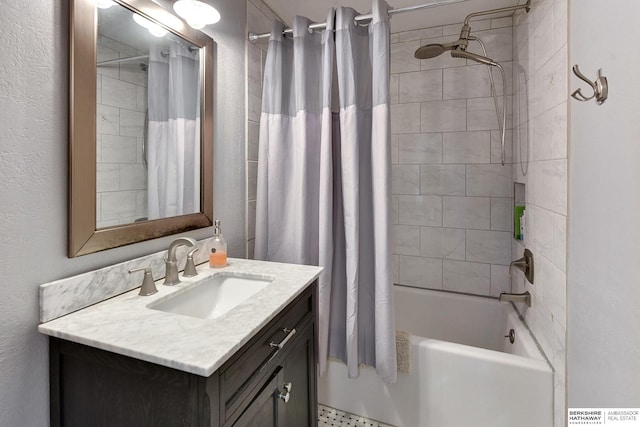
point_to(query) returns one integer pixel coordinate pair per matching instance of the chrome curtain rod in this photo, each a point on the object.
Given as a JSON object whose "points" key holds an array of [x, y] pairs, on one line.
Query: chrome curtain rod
{"points": [[118, 61], [164, 54], [322, 25]]}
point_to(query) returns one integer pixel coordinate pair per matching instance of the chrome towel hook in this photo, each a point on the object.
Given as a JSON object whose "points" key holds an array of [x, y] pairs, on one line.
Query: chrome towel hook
{"points": [[600, 87]]}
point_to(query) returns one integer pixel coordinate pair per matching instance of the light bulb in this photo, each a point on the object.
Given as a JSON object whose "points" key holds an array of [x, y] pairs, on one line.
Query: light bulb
{"points": [[104, 4], [143, 22], [196, 13], [198, 24], [157, 30], [153, 28]]}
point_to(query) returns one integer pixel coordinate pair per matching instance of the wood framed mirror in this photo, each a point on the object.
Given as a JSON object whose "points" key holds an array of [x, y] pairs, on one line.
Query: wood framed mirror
{"points": [[94, 136]]}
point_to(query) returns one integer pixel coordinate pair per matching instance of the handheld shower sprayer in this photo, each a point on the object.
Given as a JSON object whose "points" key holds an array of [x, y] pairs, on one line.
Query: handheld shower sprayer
{"points": [[461, 53]]}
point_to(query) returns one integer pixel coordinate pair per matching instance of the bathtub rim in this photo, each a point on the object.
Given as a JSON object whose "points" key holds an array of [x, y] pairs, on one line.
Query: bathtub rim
{"points": [[513, 310]]}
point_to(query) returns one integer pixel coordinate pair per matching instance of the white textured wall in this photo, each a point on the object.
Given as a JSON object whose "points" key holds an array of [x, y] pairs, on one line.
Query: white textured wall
{"points": [[603, 350], [540, 162], [33, 194], [452, 199]]}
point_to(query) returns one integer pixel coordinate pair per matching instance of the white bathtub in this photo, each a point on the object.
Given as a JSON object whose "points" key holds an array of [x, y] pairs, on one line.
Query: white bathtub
{"points": [[464, 373]]}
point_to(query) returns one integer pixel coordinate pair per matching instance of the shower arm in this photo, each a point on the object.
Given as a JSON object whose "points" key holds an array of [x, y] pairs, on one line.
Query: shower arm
{"points": [[526, 6], [466, 29]]}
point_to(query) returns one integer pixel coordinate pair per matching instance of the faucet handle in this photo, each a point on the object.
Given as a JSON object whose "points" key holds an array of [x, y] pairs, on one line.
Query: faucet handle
{"points": [[520, 263], [525, 264], [190, 266], [148, 286]]}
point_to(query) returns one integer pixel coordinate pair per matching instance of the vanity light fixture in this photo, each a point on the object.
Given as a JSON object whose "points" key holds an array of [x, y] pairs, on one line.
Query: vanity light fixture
{"points": [[104, 4], [152, 27], [197, 14]]}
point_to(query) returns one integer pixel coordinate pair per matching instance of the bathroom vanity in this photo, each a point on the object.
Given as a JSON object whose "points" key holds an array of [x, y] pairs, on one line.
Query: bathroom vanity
{"points": [[134, 361]]}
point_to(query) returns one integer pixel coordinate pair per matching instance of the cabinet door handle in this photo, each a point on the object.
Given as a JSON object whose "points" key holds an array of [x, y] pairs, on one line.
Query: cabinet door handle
{"points": [[287, 394], [290, 333]]}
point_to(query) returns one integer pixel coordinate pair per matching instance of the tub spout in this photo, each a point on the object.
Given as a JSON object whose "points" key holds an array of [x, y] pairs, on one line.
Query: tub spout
{"points": [[524, 297]]}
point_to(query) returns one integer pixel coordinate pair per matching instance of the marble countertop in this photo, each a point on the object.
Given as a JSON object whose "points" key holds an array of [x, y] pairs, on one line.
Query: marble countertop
{"points": [[124, 325]]}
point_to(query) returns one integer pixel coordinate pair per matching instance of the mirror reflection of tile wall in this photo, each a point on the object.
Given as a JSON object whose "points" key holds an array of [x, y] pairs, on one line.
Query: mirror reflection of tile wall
{"points": [[121, 111]]}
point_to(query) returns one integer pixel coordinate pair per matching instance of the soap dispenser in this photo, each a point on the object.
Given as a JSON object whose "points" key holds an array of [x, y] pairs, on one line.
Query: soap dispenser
{"points": [[218, 255]]}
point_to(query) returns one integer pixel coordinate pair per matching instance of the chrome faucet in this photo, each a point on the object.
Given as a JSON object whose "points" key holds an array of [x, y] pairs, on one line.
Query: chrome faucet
{"points": [[524, 297], [170, 261]]}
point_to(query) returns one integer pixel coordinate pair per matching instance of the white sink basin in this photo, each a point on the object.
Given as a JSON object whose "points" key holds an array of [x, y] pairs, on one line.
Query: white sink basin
{"points": [[211, 298]]}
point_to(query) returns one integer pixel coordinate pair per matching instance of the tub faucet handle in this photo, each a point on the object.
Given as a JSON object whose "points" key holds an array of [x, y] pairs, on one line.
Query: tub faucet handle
{"points": [[525, 264]]}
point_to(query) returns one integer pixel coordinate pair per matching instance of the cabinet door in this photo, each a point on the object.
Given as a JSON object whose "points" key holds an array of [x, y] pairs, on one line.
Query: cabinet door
{"points": [[92, 387], [266, 409], [300, 372]]}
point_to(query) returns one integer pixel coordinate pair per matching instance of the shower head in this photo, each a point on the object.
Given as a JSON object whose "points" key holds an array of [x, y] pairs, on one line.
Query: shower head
{"points": [[434, 49], [459, 53]]}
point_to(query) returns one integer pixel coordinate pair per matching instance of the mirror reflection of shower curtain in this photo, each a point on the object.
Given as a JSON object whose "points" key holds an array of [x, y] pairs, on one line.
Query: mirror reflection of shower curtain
{"points": [[173, 148]]}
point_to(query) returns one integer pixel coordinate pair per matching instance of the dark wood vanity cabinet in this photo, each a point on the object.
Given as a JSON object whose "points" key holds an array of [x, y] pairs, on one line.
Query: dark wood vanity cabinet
{"points": [[288, 398], [260, 385]]}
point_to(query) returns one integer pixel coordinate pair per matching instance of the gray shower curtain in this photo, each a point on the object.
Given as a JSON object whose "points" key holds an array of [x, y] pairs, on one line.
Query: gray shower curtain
{"points": [[324, 178]]}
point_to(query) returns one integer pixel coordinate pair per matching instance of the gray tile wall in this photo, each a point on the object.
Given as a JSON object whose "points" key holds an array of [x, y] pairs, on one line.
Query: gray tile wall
{"points": [[540, 150], [259, 20], [122, 103], [452, 199]]}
